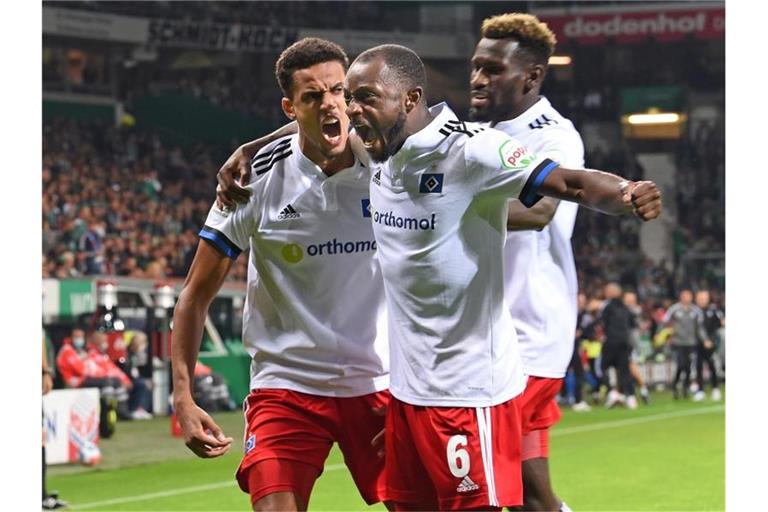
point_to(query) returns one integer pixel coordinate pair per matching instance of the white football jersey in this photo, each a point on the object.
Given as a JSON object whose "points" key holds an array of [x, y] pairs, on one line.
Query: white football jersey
{"points": [[314, 292], [541, 285], [439, 211]]}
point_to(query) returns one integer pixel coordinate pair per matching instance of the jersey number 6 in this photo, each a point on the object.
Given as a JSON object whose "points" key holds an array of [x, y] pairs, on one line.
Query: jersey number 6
{"points": [[458, 458]]}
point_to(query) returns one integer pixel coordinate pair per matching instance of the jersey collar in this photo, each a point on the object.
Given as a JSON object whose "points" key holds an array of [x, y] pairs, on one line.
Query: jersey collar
{"points": [[312, 170], [426, 139], [521, 122]]}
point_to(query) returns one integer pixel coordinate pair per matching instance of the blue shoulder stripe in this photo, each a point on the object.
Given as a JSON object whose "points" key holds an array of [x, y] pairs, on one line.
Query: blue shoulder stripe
{"points": [[529, 195], [220, 241]]}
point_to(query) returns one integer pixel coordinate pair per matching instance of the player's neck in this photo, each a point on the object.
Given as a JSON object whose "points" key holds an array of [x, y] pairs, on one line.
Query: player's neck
{"points": [[329, 165], [516, 110], [417, 121]]}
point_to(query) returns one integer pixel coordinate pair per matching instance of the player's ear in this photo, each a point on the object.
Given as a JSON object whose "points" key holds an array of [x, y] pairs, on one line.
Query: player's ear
{"points": [[287, 106], [535, 77], [412, 98]]}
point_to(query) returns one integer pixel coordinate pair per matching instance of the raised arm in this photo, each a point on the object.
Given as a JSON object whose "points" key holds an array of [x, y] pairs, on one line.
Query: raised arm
{"points": [[206, 274], [604, 192], [238, 168]]}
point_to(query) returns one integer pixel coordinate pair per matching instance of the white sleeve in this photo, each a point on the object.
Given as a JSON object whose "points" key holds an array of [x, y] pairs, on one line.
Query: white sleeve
{"points": [[564, 146], [501, 165], [230, 231]]}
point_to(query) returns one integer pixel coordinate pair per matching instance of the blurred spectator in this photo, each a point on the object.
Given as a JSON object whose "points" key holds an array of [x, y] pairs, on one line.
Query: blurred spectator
{"points": [[687, 323], [51, 499], [210, 390], [138, 367], [617, 322], [705, 349], [84, 367], [630, 301], [584, 329]]}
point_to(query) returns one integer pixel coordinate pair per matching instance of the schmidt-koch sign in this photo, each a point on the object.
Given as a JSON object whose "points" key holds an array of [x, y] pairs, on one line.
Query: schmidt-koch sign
{"points": [[628, 25]]}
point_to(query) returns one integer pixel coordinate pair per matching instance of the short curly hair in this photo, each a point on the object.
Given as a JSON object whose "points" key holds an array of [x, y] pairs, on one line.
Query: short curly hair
{"points": [[405, 66], [534, 36], [305, 53]]}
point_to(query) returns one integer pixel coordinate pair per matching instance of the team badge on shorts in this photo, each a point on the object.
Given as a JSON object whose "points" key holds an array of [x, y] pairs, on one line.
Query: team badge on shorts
{"points": [[431, 183], [250, 444]]}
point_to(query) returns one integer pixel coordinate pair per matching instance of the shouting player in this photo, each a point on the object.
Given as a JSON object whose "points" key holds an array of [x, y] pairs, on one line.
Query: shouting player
{"points": [[439, 194], [314, 295], [508, 68]]}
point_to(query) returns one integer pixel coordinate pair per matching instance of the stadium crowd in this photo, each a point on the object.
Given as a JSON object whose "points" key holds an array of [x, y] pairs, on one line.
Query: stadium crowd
{"points": [[145, 222], [116, 201]]}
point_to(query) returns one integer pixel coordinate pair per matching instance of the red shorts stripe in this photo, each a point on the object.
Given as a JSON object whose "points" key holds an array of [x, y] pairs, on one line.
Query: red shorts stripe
{"points": [[453, 458]]}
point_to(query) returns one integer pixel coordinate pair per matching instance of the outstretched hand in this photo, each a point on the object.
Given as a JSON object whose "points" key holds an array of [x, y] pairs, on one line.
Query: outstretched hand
{"points": [[235, 171], [645, 199], [201, 434]]}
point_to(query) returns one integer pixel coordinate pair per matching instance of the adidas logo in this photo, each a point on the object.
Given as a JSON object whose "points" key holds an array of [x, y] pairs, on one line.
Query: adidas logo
{"points": [[467, 485], [288, 213], [377, 177]]}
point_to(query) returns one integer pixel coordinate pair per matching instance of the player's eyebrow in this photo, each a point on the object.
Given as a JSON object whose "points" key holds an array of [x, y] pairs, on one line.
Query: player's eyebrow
{"points": [[362, 89]]}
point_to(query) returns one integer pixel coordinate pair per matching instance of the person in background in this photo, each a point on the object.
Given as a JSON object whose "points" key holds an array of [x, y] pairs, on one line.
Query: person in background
{"points": [[617, 321], [584, 331], [51, 500], [139, 370], [630, 300], [714, 319], [91, 368], [687, 323], [592, 346]]}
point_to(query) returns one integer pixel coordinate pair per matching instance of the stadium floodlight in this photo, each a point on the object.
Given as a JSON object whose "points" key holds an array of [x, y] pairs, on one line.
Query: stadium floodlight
{"points": [[560, 60], [655, 118]]}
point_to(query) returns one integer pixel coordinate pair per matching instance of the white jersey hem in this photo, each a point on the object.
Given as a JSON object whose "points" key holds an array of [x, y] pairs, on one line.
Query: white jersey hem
{"points": [[377, 384], [544, 372], [452, 401]]}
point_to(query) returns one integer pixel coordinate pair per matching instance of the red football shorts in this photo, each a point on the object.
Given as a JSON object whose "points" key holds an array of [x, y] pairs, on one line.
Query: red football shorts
{"points": [[539, 411], [452, 458], [289, 434]]}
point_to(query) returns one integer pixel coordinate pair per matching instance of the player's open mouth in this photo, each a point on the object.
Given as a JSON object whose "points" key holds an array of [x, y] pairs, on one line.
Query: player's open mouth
{"points": [[366, 135], [332, 130]]}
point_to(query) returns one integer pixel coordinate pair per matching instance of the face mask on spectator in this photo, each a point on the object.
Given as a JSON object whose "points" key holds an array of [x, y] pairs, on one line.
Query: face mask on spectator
{"points": [[78, 342]]}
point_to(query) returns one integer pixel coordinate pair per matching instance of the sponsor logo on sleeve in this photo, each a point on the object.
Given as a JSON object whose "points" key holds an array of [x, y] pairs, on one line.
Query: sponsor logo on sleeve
{"points": [[515, 156]]}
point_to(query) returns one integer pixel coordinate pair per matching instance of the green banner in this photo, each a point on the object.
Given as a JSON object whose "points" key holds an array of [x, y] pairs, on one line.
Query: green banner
{"points": [[639, 99], [76, 297]]}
